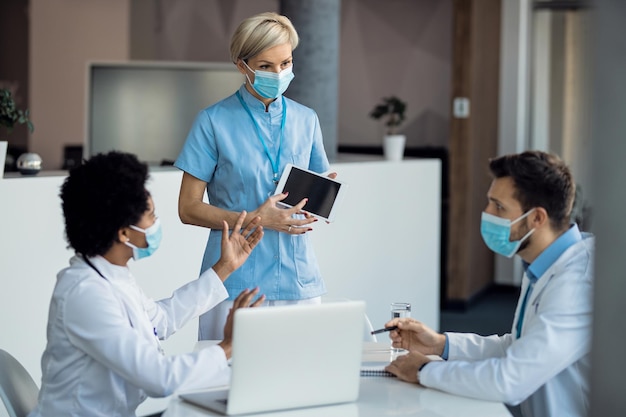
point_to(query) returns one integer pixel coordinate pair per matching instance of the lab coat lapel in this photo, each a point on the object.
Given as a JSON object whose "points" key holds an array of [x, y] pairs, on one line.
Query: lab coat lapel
{"points": [[523, 289]]}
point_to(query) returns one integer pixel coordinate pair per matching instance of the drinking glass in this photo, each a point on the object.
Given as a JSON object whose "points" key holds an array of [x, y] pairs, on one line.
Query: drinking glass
{"points": [[399, 310]]}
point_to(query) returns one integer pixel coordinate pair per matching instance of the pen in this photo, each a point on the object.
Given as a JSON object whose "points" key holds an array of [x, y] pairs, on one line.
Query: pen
{"points": [[386, 329]]}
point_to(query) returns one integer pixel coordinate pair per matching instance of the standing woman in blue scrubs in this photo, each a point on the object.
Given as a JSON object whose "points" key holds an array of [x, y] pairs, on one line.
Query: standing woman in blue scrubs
{"points": [[236, 150]]}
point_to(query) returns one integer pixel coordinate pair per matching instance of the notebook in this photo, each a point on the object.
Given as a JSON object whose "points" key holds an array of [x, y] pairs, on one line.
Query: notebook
{"points": [[376, 356], [291, 357], [375, 369]]}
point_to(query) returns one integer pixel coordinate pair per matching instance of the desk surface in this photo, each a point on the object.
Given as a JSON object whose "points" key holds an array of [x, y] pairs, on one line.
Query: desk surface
{"points": [[378, 396]]}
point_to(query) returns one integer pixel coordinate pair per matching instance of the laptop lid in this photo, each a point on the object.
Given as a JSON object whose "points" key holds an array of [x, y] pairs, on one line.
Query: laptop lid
{"points": [[293, 357]]}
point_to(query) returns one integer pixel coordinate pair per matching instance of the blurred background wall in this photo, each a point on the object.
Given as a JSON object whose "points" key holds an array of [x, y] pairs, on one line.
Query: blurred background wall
{"points": [[396, 47]]}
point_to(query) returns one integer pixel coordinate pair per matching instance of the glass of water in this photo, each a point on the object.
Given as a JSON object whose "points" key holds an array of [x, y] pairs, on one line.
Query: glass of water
{"points": [[399, 310]]}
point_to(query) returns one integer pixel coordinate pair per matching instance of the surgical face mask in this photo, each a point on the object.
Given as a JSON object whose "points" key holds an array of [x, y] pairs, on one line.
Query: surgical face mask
{"points": [[270, 84], [496, 233], [153, 238]]}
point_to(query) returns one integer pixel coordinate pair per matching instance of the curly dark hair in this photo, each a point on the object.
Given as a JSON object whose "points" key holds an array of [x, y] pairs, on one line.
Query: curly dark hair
{"points": [[101, 196], [541, 180]]}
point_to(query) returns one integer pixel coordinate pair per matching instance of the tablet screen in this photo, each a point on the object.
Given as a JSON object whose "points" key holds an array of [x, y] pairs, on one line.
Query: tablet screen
{"points": [[320, 191]]}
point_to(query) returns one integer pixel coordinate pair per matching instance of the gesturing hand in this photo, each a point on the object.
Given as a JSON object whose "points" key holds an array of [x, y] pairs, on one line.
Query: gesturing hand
{"points": [[243, 300], [237, 246]]}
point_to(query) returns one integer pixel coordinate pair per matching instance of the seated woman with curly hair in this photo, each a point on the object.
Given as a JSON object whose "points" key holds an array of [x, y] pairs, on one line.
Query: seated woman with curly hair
{"points": [[103, 356]]}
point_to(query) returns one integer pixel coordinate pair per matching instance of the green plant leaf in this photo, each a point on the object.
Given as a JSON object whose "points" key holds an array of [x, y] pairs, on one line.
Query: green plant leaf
{"points": [[392, 109], [10, 115]]}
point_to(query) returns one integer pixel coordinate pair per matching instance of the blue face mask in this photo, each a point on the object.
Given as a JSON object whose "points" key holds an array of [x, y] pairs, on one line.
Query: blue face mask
{"points": [[270, 84], [153, 238], [496, 233]]}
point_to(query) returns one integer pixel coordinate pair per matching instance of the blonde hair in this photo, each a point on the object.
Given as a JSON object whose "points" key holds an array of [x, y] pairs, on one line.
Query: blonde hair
{"points": [[260, 32]]}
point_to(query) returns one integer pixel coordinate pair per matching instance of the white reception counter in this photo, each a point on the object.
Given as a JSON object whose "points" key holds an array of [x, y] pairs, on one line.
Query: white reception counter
{"points": [[383, 247]]}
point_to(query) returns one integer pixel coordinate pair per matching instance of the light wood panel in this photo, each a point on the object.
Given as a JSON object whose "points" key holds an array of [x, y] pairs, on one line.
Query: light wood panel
{"points": [[473, 140]]}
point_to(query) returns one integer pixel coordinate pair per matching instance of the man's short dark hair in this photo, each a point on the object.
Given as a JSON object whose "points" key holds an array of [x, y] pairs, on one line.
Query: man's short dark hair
{"points": [[541, 180], [101, 196]]}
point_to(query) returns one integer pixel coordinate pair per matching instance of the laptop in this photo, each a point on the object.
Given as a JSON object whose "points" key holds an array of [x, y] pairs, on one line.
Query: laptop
{"points": [[289, 357]]}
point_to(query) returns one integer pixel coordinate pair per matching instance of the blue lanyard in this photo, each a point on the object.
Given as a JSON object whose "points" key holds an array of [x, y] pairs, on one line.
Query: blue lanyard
{"points": [[275, 163]]}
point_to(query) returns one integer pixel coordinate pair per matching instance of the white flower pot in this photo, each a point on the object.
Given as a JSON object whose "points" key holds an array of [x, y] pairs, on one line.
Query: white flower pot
{"points": [[393, 147], [3, 156]]}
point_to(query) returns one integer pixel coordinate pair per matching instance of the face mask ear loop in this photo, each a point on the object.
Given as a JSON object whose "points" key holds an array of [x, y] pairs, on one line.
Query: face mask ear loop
{"points": [[137, 228], [246, 74], [129, 243], [250, 83], [530, 232], [523, 216]]}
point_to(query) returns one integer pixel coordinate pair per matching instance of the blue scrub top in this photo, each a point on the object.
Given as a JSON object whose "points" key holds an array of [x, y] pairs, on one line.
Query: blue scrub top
{"points": [[224, 150]]}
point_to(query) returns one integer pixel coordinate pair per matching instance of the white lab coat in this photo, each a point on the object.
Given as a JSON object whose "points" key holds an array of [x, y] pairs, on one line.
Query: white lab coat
{"points": [[103, 358], [547, 368]]}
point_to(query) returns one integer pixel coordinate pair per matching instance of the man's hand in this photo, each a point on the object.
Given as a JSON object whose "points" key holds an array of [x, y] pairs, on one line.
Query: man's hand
{"points": [[243, 300], [405, 367], [237, 246], [413, 335]]}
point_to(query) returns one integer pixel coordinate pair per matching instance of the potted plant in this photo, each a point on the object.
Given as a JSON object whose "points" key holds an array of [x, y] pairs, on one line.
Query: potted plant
{"points": [[391, 110], [10, 116]]}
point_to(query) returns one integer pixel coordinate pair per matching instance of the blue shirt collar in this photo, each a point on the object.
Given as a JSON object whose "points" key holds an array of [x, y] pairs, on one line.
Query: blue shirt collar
{"points": [[548, 257], [256, 105]]}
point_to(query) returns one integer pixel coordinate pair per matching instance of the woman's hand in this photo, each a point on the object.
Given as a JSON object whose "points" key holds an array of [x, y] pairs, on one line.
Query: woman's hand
{"points": [[413, 335], [281, 219], [237, 246], [243, 300]]}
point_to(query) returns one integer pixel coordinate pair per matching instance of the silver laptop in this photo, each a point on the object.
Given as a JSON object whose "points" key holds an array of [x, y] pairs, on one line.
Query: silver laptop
{"points": [[290, 357]]}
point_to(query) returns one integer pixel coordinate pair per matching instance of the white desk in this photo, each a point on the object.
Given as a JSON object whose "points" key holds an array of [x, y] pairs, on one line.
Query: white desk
{"points": [[378, 396], [362, 256]]}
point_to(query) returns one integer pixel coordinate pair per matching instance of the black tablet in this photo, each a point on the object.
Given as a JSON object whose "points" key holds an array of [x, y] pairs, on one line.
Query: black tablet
{"points": [[324, 194]]}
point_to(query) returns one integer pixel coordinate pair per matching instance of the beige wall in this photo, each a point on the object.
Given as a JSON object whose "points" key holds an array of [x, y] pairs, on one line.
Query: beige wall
{"points": [[401, 48], [14, 64], [64, 36]]}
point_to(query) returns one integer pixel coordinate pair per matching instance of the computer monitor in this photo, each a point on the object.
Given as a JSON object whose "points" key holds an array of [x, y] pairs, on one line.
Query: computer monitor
{"points": [[147, 108]]}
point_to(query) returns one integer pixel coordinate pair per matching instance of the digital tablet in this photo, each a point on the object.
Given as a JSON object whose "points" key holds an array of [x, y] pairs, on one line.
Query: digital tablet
{"points": [[324, 194]]}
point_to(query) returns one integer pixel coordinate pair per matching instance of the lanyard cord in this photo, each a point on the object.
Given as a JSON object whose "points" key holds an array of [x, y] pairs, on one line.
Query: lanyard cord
{"points": [[154, 330], [92, 266], [275, 163]]}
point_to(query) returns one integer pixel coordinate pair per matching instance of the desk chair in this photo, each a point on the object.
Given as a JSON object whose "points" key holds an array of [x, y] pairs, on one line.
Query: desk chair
{"points": [[17, 389]]}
